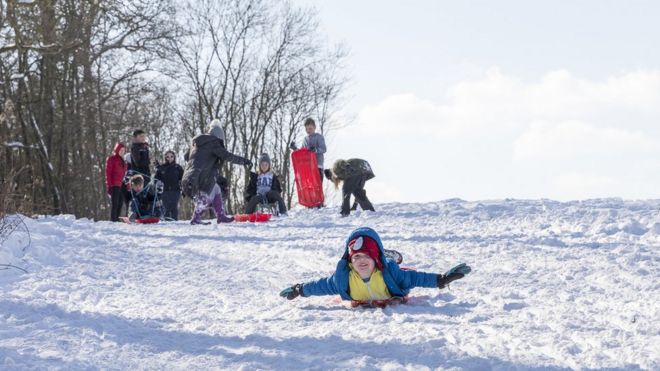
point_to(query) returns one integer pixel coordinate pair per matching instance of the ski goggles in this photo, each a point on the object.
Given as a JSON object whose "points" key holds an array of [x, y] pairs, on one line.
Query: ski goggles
{"points": [[356, 245]]}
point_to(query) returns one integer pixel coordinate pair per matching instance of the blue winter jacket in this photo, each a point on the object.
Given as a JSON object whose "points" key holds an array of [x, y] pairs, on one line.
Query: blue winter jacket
{"points": [[399, 282]]}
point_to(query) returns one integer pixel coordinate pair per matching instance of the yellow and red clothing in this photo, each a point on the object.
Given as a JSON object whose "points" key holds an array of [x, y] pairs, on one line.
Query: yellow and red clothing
{"points": [[373, 288]]}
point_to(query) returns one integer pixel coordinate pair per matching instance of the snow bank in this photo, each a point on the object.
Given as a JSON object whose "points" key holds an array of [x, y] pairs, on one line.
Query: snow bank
{"points": [[554, 286]]}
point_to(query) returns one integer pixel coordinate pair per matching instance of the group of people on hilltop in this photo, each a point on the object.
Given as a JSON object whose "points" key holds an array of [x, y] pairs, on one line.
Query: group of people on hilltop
{"points": [[128, 177], [128, 180]]}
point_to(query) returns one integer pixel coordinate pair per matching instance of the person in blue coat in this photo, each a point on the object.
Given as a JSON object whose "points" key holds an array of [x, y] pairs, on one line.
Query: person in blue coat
{"points": [[365, 274]]}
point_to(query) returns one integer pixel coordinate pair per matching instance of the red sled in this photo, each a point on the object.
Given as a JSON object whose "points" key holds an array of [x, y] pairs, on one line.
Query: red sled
{"points": [[258, 217], [308, 183], [149, 220], [379, 303]]}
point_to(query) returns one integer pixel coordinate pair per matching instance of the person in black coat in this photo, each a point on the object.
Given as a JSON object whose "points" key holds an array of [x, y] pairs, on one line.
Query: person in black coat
{"points": [[353, 173], [264, 188], [140, 155], [199, 177], [170, 173]]}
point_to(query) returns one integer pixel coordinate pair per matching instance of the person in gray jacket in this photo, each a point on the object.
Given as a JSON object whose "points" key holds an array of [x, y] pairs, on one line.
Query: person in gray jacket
{"points": [[354, 173], [313, 142], [199, 178]]}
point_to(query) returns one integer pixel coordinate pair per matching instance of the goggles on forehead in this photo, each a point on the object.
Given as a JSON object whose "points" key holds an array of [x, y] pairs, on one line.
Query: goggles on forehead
{"points": [[357, 244]]}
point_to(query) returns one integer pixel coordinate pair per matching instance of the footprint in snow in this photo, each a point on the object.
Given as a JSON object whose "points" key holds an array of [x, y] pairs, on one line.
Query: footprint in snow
{"points": [[514, 306]]}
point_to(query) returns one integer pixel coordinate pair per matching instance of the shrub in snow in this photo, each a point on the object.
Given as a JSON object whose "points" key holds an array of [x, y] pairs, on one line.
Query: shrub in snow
{"points": [[14, 241]]}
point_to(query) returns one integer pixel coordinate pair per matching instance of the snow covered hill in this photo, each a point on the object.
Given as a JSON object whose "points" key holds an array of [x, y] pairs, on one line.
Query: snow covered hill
{"points": [[554, 285]]}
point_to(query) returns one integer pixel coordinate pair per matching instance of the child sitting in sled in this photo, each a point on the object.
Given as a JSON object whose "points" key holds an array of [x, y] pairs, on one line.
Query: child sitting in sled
{"points": [[264, 187], [144, 198], [365, 276]]}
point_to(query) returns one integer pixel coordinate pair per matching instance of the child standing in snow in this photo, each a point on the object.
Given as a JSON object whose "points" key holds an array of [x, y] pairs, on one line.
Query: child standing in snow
{"points": [[313, 142], [115, 169], [264, 187], [354, 173], [364, 274]]}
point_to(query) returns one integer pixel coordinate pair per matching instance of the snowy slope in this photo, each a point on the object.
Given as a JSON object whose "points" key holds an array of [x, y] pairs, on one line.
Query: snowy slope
{"points": [[554, 285]]}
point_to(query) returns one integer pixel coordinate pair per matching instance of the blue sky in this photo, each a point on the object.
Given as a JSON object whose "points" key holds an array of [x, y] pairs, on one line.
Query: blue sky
{"points": [[496, 99]]}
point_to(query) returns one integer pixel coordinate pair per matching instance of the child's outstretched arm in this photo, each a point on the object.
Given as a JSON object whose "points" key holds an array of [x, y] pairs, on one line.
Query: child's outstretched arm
{"points": [[408, 279], [323, 286]]}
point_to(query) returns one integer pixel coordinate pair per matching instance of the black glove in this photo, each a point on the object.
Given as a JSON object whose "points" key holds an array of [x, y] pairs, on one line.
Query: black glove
{"points": [[248, 164], [293, 146], [453, 274], [328, 174], [313, 149], [292, 292]]}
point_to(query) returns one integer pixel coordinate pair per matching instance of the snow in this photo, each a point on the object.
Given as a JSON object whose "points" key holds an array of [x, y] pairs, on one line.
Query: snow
{"points": [[554, 285]]}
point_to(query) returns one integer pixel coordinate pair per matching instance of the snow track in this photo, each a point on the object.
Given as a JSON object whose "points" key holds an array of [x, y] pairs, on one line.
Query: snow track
{"points": [[554, 286]]}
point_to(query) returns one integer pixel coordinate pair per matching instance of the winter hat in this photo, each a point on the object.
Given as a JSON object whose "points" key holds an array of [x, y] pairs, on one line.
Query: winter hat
{"points": [[216, 130], [365, 245], [264, 158]]}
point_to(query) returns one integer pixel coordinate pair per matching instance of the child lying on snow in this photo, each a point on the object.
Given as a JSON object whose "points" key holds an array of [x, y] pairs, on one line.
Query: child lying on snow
{"points": [[365, 275]]}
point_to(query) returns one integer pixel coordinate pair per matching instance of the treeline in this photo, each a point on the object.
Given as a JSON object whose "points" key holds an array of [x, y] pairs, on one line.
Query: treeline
{"points": [[76, 76]]}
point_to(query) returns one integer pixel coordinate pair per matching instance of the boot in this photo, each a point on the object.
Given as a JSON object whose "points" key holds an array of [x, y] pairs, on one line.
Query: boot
{"points": [[220, 210], [200, 206], [197, 218]]}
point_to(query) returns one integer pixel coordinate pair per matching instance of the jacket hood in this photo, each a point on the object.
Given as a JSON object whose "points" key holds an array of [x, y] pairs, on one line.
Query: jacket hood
{"points": [[118, 147], [368, 232], [173, 161]]}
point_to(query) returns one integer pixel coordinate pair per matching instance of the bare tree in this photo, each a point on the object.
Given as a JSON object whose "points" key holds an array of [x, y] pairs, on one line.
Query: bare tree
{"points": [[260, 68], [72, 70]]}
